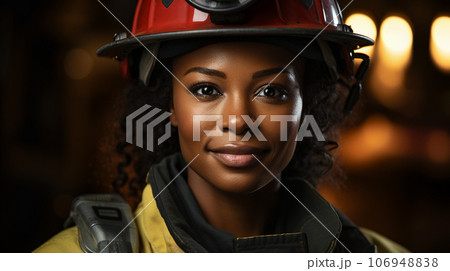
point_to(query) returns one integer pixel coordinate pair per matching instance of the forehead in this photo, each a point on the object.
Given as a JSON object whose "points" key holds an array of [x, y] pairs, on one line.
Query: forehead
{"points": [[237, 55]]}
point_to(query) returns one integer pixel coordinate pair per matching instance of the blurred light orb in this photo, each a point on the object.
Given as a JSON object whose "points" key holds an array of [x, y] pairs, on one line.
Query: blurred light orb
{"points": [[376, 137], [377, 134], [440, 43], [438, 147], [394, 51], [364, 25], [78, 64], [396, 35]]}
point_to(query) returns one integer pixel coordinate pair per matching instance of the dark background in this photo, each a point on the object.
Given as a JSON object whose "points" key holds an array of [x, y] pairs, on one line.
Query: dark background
{"points": [[57, 115]]}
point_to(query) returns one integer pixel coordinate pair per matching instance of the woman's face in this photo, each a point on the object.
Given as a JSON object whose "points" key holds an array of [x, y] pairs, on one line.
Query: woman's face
{"points": [[230, 81]]}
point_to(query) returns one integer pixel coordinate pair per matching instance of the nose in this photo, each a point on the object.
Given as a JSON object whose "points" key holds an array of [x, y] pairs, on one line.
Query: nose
{"points": [[234, 109]]}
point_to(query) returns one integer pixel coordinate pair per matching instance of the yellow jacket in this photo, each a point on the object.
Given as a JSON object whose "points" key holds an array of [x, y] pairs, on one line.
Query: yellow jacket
{"points": [[155, 237], [162, 229]]}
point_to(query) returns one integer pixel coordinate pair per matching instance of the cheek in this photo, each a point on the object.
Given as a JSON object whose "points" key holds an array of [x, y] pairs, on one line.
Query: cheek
{"points": [[297, 105], [283, 144], [282, 122], [282, 133], [193, 122], [292, 129], [183, 112]]}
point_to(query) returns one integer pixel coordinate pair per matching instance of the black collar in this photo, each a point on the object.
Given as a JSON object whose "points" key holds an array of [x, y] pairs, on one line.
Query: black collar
{"points": [[295, 229]]}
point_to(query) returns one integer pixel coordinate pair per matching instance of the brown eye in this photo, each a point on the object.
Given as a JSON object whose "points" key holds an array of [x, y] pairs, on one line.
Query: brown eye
{"points": [[272, 91], [269, 92], [204, 90]]}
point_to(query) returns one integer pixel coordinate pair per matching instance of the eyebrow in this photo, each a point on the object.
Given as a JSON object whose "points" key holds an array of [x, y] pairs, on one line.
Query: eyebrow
{"points": [[207, 72], [217, 73], [269, 72]]}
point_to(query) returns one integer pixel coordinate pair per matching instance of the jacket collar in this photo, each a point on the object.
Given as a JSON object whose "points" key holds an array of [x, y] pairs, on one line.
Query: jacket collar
{"points": [[296, 229]]}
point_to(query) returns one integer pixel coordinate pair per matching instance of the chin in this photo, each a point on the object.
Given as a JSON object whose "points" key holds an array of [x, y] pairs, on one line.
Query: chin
{"points": [[237, 180], [239, 185]]}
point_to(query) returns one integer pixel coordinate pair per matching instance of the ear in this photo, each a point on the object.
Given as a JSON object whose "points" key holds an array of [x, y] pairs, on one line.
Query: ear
{"points": [[173, 117]]}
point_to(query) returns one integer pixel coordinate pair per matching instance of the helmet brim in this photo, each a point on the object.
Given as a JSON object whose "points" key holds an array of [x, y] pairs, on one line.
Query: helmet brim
{"points": [[119, 49]]}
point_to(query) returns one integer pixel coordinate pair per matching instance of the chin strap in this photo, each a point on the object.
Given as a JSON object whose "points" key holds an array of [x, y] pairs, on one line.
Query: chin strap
{"points": [[355, 89], [147, 62]]}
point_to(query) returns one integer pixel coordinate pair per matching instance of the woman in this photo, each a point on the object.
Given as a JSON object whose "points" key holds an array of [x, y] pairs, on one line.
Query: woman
{"points": [[238, 171]]}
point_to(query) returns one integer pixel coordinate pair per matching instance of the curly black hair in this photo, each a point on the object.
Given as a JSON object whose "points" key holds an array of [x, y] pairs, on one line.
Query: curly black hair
{"points": [[312, 159]]}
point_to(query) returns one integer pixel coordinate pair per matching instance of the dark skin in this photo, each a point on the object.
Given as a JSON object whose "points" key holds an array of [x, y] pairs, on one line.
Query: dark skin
{"points": [[236, 193]]}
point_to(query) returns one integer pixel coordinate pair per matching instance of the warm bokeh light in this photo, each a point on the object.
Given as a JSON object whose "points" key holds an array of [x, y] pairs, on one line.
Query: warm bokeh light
{"points": [[396, 38], [375, 138], [78, 64], [394, 50], [440, 43], [438, 146], [364, 25]]}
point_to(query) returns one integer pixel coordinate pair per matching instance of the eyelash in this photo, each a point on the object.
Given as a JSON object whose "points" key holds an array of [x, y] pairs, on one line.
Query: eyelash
{"points": [[280, 88], [197, 86]]}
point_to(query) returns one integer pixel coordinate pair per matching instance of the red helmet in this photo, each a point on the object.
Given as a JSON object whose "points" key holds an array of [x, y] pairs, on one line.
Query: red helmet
{"points": [[159, 21]]}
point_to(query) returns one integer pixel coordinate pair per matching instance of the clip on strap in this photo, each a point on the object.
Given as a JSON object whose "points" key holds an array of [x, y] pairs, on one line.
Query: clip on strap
{"points": [[147, 62], [355, 89]]}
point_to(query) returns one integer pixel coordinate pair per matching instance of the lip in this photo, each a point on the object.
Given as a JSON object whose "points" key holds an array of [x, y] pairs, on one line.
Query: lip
{"points": [[237, 156]]}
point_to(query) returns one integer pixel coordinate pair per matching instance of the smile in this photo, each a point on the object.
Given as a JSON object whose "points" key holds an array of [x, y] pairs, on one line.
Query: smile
{"points": [[237, 156]]}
